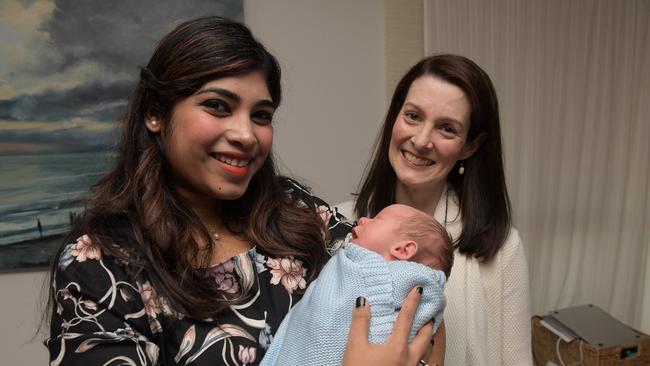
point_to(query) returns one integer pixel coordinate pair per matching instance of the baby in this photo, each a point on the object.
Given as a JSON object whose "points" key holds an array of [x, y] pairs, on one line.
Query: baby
{"points": [[393, 252]]}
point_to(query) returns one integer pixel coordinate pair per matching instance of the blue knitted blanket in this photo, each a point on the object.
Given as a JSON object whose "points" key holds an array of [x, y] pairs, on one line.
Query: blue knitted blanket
{"points": [[315, 331]]}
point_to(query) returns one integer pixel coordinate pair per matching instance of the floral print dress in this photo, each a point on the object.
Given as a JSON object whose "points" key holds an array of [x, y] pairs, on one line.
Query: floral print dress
{"points": [[103, 315]]}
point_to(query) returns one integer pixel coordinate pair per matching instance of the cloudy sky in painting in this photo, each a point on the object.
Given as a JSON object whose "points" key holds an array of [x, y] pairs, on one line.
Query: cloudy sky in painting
{"points": [[67, 66]]}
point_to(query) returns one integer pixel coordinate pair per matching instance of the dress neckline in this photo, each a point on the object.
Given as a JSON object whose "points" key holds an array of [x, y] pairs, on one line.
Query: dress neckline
{"points": [[251, 253]]}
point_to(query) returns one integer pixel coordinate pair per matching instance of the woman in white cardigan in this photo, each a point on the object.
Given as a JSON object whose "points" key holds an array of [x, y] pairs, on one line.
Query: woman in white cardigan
{"points": [[440, 151]]}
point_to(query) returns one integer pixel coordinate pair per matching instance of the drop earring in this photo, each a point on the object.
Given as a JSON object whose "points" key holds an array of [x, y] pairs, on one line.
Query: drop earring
{"points": [[461, 169]]}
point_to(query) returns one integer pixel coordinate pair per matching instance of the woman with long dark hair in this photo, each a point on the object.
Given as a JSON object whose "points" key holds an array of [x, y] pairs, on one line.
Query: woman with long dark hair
{"points": [[193, 248], [440, 151]]}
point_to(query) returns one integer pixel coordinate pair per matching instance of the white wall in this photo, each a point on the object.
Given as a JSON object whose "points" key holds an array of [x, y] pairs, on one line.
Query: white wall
{"points": [[20, 312], [332, 56]]}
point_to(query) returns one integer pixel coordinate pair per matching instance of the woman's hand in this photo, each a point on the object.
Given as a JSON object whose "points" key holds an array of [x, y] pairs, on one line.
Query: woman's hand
{"points": [[437, 356], [397, 350]]}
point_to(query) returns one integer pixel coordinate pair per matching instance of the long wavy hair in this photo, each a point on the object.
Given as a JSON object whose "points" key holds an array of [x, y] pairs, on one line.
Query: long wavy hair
{"points": [[484, 202], [135, 214]]}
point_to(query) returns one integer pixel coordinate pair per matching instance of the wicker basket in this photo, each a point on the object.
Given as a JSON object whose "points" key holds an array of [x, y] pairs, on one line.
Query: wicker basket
{"points": [[545, 343]]}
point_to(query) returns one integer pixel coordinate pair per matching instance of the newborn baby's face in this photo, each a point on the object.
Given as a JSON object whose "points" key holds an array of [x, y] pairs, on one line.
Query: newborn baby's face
{"points": [[379, 233]]}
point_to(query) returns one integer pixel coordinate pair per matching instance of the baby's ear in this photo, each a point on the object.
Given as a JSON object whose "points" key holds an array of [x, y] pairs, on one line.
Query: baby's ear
{"points": [[404, 249]]}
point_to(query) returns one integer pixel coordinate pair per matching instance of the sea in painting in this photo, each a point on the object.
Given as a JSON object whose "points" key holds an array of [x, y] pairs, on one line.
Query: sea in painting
{"points": [[40, 196]]}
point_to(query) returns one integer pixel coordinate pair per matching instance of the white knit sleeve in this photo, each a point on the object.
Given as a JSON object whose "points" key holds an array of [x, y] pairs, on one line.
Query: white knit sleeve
{"points": [[516, 303]]}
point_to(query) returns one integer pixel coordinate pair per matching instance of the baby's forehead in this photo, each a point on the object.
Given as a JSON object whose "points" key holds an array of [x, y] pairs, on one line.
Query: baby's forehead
{"points": [[398, 211]]}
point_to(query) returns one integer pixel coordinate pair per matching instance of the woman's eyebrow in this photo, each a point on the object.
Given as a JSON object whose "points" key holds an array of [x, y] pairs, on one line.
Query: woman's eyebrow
{"points": [[265, 103], [234, 97], [447, 118], [411, 104], [223, 92]]}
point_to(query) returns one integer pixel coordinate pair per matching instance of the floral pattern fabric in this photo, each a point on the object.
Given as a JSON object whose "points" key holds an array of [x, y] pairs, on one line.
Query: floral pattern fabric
{"points": [[103, 315]]}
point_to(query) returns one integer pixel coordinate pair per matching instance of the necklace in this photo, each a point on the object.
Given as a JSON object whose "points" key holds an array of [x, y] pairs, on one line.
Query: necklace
{"points": [[446, 205], [215, 234]]}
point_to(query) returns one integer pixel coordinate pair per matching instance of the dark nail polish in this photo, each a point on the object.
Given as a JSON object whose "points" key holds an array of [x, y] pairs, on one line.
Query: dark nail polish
{"points": [[420, 289], [361, 301], [433, 341]]}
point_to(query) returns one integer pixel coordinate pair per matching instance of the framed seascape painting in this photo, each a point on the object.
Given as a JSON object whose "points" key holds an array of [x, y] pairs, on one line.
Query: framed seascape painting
{"points": [[66, 70]]}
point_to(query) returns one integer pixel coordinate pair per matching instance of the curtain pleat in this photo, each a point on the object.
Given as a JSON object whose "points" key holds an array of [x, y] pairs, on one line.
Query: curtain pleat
{"points": [[573, 79]]}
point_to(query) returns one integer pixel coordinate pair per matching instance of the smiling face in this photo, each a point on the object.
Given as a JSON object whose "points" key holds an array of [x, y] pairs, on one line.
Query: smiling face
{"points": [[219, 138], [430, 134]]}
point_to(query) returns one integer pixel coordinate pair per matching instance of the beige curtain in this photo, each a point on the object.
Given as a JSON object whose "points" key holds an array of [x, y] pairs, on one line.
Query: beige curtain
{"points": [[573, 79]]}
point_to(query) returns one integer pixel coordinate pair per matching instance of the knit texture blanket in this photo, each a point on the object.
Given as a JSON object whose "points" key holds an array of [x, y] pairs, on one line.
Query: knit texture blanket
{"points": [[315, 331]]}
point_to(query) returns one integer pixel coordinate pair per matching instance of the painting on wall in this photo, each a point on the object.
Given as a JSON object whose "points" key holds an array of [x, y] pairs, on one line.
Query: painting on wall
{"points": [[66, 70]]}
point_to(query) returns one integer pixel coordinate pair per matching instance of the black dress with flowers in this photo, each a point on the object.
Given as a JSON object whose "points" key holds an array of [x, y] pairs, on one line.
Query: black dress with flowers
{"points": [[103, 315]]}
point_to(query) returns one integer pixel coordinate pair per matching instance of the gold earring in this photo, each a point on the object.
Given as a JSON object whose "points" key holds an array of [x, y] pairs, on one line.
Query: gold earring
{"points": [[461, 169]]}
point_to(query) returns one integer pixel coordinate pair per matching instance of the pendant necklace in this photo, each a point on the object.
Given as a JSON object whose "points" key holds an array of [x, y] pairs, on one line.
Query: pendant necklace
{"points": [[215, 234], [446, 205]]}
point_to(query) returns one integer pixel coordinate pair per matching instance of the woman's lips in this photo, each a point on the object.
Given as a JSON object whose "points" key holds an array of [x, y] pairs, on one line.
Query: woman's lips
{"points": [[232, 161], [234, 164], [416, 160]]}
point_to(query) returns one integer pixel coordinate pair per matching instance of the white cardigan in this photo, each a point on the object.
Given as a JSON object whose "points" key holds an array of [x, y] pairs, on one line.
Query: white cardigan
{"points": [[487, 318]]}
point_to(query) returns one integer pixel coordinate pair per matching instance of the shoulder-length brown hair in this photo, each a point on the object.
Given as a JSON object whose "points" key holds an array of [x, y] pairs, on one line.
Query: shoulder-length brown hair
{"points": [[484, 202], [135, 207]]}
